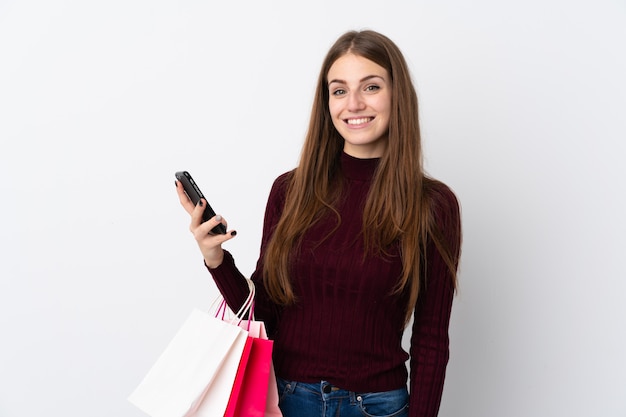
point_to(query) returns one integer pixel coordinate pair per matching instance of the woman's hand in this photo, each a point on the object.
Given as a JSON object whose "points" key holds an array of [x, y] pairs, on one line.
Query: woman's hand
{"points": [[210, 244]]}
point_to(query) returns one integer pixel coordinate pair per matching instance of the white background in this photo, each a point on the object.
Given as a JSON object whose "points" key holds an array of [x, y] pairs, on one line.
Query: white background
{"points": [[523, 108]]}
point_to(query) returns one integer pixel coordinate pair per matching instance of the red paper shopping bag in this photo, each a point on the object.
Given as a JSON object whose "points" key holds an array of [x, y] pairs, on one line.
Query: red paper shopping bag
{"points": [[251, 398]]}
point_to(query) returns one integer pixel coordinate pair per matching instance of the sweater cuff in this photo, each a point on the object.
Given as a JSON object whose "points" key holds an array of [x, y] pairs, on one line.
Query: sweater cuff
{"points": [[226, 263], [230, 282]]}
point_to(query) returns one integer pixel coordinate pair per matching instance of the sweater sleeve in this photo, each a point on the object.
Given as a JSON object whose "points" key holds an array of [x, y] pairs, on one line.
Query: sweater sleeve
{"points": [[429, 340], [232, 283]]}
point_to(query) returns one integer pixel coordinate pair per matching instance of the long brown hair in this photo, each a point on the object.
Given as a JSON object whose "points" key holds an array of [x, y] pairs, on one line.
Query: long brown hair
{"points": [[397, 207]]}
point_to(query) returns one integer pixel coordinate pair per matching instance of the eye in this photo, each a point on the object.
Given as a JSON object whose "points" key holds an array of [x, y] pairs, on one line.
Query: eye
{"points": [[338, 92], [372, 87]]}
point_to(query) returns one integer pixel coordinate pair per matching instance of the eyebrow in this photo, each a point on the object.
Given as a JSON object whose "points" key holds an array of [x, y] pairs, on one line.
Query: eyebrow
{"points": [[369, 77]]}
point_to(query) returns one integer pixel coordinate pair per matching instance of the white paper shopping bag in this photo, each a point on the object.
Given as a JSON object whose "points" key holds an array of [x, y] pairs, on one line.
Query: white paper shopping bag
{"points": [[200, 361]]}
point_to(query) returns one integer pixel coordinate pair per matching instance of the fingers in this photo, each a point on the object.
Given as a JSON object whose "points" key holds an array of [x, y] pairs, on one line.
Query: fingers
{"points": [[184, 199], [208, 239], [196, 215], [201, 228], [211, 244], [207, 226]]}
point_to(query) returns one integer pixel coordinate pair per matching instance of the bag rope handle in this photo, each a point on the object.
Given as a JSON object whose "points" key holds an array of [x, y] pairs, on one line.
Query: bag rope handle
{"points": [[247, 307]]}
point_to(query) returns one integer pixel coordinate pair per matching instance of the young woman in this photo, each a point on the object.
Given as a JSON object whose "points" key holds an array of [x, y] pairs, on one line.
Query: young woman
{"points": [[356, 241]]}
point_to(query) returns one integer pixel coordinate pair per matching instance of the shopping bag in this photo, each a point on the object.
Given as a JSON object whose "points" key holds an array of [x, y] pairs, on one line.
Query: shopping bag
{"points": [[271, 406], [198, 367], [257, 394], [257, 329], [250, 400], [200, 362]]}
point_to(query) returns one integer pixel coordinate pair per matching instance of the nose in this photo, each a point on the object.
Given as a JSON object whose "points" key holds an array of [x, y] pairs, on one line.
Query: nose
{"points": [[355, 102]]}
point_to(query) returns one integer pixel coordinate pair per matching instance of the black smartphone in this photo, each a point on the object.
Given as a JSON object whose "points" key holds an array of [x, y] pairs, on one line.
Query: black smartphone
{"points": [[193, 192]]}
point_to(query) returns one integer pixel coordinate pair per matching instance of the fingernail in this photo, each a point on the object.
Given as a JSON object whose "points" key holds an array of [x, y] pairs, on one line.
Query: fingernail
{"points": [[200, 203], [233, 233], [218, 218]]}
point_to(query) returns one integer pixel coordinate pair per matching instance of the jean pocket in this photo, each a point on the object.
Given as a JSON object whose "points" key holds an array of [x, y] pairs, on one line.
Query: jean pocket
{"points": [[284, 387], [384, 404]]}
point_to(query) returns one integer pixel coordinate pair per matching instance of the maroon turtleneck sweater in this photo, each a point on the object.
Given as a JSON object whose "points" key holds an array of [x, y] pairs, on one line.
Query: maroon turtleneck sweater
{"points": [[346, 328]]}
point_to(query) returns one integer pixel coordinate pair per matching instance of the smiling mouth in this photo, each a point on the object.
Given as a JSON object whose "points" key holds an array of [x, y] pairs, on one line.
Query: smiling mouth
{"points": [[359, 121]]}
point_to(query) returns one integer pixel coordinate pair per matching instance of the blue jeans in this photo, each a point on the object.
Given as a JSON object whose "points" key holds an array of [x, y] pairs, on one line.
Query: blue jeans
{"points": [[298, 399]]}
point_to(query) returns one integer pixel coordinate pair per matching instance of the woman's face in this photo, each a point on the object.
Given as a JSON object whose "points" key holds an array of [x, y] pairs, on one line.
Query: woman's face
{"points": [[360, 104]]}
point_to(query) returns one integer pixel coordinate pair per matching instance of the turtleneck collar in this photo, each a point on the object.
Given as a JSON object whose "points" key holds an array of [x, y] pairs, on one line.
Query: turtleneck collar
{"points": [[357, 168]]}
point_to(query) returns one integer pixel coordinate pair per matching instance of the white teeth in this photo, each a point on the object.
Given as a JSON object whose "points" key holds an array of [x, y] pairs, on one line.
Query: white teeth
{"points": [[358, 121]]}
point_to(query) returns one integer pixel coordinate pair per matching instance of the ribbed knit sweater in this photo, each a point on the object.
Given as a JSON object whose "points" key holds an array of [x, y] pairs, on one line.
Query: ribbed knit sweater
{"points": [[346, 328]]}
